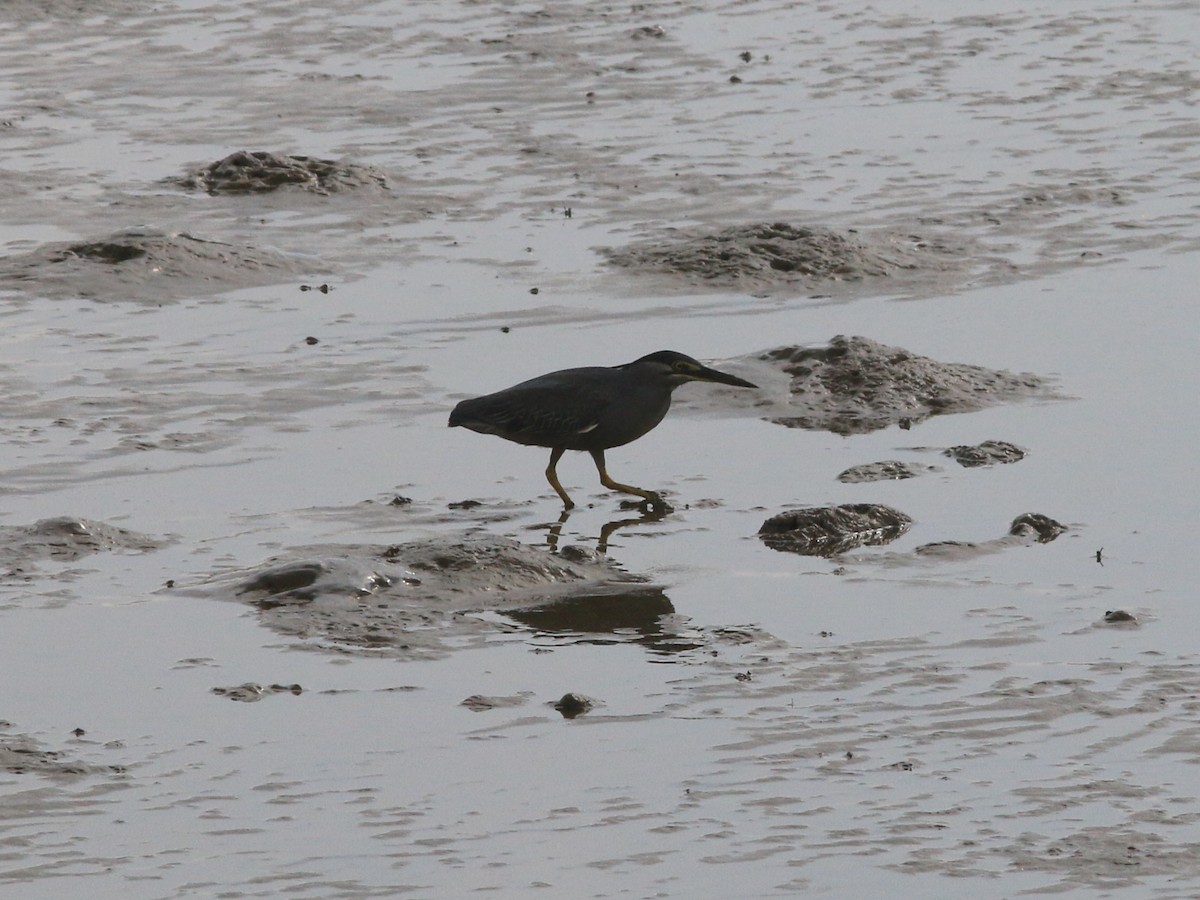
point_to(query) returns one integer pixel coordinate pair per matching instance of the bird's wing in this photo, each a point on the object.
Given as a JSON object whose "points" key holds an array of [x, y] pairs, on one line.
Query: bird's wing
{"points": [[545, 411]]}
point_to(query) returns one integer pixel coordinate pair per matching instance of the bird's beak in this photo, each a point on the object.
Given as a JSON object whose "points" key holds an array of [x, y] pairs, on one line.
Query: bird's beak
{"points": [[707, 374]]}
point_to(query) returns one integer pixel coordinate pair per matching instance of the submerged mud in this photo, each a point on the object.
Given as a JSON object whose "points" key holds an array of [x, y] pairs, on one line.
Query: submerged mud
{"points": [[1025, 529], [143, 265], [422, 599], [260, 171], [856, 385]]}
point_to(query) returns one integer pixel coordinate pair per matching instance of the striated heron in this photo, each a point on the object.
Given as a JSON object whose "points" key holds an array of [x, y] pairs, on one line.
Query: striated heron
{"points": [[590, 409]]}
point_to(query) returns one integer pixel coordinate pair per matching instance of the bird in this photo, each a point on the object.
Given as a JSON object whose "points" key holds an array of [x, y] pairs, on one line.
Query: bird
{"points": [[591, 408]]}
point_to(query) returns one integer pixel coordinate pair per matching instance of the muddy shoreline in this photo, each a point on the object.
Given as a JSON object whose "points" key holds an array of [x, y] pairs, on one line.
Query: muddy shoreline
{"points": [[922, 607]]}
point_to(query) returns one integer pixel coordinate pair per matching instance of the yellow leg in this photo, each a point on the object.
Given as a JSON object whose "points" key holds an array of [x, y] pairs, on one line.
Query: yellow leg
{"points": [[598, 456], [552, 476]]}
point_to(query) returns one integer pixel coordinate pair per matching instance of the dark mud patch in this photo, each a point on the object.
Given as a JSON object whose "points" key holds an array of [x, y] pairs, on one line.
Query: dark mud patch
{"points": [[766, 255], [423, 599], [65, 539], [259, 171], [145, 266], [833, 530], [885, 470], [987, 453], [855, 385]]}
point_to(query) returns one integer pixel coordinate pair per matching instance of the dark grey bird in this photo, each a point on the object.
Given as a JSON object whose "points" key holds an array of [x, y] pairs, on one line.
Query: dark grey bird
{"points": [[590, 409]]}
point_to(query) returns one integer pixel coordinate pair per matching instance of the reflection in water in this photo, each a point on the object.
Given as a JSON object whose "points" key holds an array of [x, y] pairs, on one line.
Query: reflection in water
{"points": [[649, 513], [637, 614], [618, 613]]}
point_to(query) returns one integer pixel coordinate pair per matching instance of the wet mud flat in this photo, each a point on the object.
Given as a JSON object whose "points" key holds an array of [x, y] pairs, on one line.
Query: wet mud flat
{"points": [[923, 607]]}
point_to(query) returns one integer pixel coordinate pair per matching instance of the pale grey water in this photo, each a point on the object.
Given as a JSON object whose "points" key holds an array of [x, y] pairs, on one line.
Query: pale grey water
{"points": [[964, 718]]}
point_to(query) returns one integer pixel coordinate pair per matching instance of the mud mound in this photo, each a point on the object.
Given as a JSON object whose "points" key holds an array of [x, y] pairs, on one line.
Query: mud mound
{"points": [[855, 385], [418, 600], [886, 470], [778, 253], [258, 171], [21, 755], [1041, 528], [988, 453], [144, 265], [66, 539], [832, 530]]}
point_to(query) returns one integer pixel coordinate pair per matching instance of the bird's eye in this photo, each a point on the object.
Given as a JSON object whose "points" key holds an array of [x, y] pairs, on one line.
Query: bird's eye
{"points": [[682, 366]]}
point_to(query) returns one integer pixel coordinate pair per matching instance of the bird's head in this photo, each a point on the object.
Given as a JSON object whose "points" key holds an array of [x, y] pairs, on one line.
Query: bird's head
{"points": [[677, 368]]}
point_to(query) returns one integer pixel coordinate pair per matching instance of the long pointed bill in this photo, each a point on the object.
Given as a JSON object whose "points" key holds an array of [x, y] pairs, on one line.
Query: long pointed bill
{"points": [[707, 374]]}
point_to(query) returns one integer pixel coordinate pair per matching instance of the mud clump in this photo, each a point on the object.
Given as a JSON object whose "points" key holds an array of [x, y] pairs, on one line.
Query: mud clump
{"points": [[572, 705], [988, 453], [886, 470], [251, 692], [855, 386], [259, 171], [766, 254], [832, 530], [1041, 528], [143, 265]]}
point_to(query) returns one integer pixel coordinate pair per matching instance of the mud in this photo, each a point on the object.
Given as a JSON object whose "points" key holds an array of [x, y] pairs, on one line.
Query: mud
{"points": [[987, 453], [260, 171], [832, 531], [65, 539], [481, 703], [769, 255], [966, 710], [855, 386], [572, 705], [144, 266], [21, 755], [250, 692], [1025, 529], [1040, 527], [886, 470], [421, 600]]}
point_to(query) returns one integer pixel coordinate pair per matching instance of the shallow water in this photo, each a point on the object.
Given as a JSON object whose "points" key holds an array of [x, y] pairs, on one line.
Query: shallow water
{"points": [[897, 716]]}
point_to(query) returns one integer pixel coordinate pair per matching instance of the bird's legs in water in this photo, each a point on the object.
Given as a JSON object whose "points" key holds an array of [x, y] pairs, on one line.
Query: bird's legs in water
{"points": [[552, 476], [652, 498]]}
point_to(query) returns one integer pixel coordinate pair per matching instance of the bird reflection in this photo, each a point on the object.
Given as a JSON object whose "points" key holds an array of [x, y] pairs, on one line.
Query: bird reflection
{"points": [[620, 612], [649, 512]]}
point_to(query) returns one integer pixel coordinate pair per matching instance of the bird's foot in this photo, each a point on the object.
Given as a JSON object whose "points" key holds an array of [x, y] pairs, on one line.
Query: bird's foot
{"points": [[653, 505]]}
